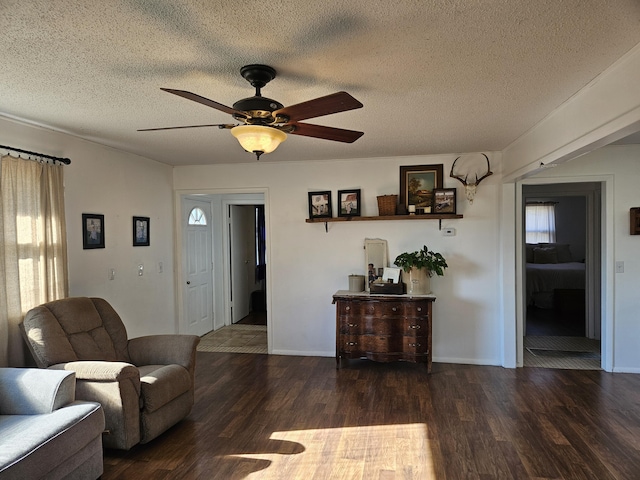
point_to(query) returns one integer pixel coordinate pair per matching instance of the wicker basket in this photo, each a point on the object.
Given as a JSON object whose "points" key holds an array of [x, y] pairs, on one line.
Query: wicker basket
{"points": [[387, 205]]}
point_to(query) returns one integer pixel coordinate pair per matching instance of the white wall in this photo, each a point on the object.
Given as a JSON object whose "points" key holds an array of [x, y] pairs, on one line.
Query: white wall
{"points": [[118, 185], [307, 265], [621, 162]]}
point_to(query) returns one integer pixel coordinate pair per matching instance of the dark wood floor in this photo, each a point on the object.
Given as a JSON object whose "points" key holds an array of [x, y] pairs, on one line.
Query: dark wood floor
{"points": [[278, 417]]}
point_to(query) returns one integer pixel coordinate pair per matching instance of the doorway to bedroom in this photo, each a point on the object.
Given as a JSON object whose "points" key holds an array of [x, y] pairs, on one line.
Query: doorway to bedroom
{"points": [[562, 286]]}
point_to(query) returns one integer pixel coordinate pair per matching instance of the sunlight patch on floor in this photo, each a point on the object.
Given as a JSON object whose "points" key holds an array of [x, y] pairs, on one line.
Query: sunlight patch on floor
{"points": [[384, 451]]}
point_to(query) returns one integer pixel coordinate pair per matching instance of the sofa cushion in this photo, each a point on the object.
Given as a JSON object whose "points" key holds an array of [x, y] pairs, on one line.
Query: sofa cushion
{"points": [[162, 383]]}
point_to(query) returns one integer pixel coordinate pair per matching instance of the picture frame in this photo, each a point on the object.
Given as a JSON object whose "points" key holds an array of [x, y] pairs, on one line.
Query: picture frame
{"points": [[349, 203], [141, 233], [92, 231], [444, 200], [320, 205], [417, 183]]}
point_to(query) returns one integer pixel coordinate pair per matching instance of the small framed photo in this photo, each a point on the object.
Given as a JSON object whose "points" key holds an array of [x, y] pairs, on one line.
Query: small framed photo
{"points": [[417, 183], [320, 205], [92, 230], [349, 203], [140, 231], [444, 200]]}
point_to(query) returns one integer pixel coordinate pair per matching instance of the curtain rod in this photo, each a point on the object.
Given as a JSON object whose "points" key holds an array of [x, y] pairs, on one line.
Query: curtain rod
{"points": [[66, 161]]}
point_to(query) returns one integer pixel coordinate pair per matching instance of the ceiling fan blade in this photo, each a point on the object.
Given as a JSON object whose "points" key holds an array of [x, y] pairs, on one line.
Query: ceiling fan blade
{"points": [[204, 101], [219, 125], [327, 133], [334, 103]]}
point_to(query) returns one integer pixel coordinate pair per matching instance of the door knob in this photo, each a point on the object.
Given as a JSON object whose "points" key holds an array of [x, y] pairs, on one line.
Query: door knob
{"points": [[188, 282]]}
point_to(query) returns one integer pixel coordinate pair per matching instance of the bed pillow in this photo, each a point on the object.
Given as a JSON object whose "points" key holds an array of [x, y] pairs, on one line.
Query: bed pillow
{"points": [[562, 250], [545, 255], [564, 253], [528, 251]]}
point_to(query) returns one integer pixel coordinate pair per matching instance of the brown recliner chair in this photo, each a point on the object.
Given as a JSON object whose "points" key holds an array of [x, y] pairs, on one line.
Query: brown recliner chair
{"points": [[145, 385]]}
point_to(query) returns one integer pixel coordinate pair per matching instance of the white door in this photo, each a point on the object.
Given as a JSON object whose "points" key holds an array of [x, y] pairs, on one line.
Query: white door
{"points": [[197, 266], [240, 218]]}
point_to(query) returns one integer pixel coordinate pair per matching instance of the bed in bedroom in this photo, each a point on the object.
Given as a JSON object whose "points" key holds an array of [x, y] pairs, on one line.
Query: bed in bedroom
{"points": [[550, 272]]}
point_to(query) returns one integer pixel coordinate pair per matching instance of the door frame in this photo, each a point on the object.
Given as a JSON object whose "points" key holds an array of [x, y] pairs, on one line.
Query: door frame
{"points": [[227, 201], [606, 260], [220, 224]]}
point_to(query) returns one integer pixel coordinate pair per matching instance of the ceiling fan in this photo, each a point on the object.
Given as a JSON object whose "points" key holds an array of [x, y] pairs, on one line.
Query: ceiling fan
{"points": [[264, 123]]}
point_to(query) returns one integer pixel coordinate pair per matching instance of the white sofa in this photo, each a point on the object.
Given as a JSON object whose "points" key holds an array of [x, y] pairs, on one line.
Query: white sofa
{"points": [[44, 432]]}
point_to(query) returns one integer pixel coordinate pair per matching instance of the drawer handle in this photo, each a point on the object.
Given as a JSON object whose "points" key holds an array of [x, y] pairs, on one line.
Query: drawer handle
{"points": [[415, 344], [419, 309], [351, 344], [415, 327], [353, 324], [395, 309], [348, 308]]}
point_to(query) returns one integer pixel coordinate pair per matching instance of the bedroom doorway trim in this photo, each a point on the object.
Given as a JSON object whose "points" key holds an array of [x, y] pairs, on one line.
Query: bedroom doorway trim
{"points": [[605, 308]]}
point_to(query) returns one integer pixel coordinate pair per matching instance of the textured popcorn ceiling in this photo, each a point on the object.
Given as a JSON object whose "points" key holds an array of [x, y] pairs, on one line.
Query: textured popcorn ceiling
{"points": [[434, 76]]}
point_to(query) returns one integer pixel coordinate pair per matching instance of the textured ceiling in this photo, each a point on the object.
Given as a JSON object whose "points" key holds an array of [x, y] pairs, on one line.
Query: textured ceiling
{"points": [[434, 76]]}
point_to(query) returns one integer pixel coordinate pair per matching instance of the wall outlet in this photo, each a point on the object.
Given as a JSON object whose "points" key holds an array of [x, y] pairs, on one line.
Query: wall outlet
{"points": [[449, 232], [619, 267], [140, 270]]}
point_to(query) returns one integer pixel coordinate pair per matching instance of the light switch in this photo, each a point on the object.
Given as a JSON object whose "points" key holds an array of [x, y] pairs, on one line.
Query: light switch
{"points": [[160, 267], [112, 274]]}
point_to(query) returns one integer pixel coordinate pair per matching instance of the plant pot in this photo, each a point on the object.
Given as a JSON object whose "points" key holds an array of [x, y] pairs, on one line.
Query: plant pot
{"points": [[417, 281]]}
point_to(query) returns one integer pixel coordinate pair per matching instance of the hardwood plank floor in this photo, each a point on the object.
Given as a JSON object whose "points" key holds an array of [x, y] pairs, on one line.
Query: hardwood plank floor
{"points": [[278, 417]]}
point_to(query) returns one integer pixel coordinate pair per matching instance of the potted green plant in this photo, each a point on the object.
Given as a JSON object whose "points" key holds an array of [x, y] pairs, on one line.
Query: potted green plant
{"points": [[419, 266]]}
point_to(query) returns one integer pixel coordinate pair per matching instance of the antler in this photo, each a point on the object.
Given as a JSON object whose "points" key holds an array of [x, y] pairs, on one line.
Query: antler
{"points": [[478, 180]]}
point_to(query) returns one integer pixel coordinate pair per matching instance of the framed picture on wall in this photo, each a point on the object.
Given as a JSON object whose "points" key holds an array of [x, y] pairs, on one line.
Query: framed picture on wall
{"points": [[349, 203], [417, 183], [92, 230], [140, 231], [444, 200], [320, 205]]}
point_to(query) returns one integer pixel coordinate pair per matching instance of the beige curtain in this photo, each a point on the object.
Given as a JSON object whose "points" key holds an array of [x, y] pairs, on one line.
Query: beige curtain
{"points": [[33, 246]]}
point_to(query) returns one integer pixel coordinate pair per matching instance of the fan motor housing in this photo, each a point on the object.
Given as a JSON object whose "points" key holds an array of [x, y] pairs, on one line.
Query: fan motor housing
{"points": [[257, 107]]}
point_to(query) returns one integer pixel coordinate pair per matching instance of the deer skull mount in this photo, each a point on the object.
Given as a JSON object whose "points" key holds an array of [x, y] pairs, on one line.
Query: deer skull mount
{"points": [[470, 188]]}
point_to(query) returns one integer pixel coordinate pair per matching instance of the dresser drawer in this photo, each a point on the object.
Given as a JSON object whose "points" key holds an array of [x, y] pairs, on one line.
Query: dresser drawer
{"points": [[371, 343], [400, 309], [415, 345], [390, 326], [350, 325], [364, 344]]}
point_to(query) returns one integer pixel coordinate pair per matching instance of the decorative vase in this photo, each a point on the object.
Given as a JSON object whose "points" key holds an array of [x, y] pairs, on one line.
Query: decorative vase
{"points": [[417, 281]]}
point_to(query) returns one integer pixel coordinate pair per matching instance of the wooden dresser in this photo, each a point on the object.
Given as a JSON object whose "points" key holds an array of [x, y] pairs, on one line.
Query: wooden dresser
{"points": [[384, 328]]}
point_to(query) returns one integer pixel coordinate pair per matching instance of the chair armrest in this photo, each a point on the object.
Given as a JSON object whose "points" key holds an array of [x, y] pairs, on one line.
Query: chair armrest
{"points": [[164, 350], [96, 370], [31, 391]]}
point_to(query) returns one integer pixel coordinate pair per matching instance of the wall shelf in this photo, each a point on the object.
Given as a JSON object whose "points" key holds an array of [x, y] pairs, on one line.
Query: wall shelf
{"points": [[427, 216]]}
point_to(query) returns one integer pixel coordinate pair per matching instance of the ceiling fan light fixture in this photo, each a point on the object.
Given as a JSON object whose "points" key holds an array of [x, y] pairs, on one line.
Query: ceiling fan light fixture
{"points": [[258, 138]]}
